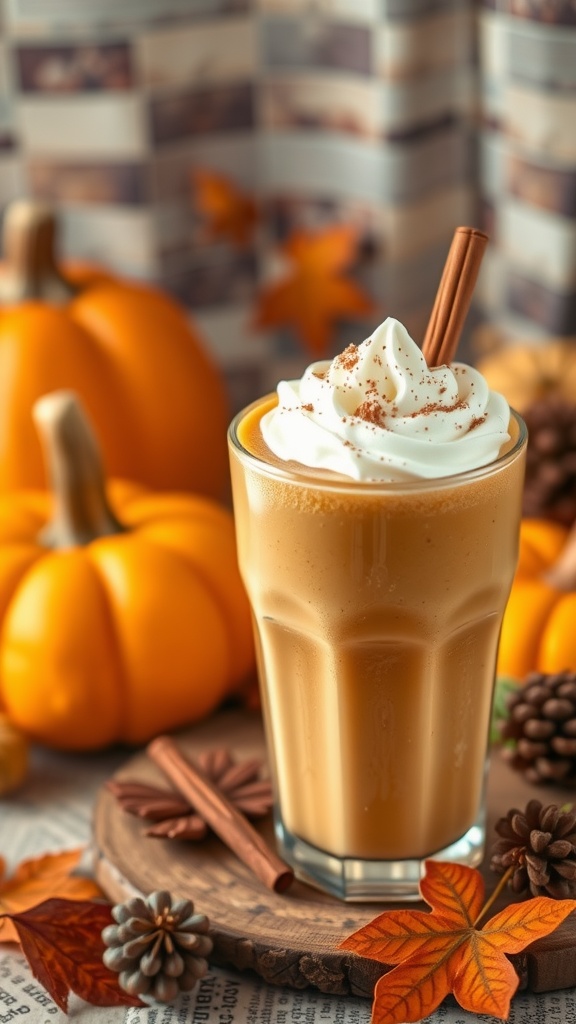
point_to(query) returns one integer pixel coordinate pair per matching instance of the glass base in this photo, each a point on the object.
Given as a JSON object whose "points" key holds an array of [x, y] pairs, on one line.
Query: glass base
{"points": [[355, 880]]}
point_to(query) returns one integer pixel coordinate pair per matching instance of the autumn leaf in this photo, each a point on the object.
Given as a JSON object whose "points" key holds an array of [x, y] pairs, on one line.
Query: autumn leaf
{"points": [[447, 951], [62, 941], [316, 292], [229, 213], [38, 879]]}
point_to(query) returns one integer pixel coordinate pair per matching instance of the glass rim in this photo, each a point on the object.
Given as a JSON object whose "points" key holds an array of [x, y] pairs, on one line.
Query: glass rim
{"points": [[304, 477]]}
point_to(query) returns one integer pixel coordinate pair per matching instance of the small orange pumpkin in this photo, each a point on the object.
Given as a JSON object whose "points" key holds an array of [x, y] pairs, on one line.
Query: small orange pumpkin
{"points": [[539, 627], [123, 613], [156, 399]]}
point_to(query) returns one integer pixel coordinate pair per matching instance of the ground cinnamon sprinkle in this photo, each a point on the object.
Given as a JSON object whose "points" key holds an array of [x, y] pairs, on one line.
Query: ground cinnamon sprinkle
{"points": [[308, 407], [433, 407], [477, 422], [371, 412], [348, 358]]}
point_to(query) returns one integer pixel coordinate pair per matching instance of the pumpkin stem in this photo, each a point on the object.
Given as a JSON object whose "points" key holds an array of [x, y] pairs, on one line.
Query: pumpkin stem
{"points": [[30, 269], [74, 468], [562, 575]]}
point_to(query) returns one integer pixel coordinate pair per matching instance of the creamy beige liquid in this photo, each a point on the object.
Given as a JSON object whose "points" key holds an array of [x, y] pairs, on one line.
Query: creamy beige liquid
{"points": [[377, 616]]}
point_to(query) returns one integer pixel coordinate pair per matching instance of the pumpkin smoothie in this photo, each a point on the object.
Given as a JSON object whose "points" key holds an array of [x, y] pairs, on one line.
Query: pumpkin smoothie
{"points": [[377, 508]]}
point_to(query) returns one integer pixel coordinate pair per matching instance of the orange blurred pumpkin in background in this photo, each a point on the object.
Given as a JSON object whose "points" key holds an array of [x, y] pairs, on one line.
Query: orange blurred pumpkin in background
{"points": [[156, 399], [539, 627], [122, 610]]}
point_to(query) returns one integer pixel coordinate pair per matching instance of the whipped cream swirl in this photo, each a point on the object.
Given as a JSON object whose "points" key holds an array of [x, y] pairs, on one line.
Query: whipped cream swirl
{"points": [[378, 413]]}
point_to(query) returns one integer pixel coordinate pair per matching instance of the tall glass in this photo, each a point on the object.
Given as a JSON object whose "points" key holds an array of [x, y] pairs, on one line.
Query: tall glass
{"points": [[377, 610]]}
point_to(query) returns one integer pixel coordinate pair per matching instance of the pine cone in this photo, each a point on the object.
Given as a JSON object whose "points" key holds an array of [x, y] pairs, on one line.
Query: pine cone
{"points": [[542, 725], [541, 842], [158, 946], [550, 484]]}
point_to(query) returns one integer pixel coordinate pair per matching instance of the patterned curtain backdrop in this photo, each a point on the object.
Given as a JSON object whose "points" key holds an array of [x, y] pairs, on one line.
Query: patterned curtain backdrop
{"points": [[189, 142], [527, 141]]}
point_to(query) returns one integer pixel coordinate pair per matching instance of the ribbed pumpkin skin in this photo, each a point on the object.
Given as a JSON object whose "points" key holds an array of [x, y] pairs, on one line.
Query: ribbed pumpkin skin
{"points": [[128, 636], [155, 398]]}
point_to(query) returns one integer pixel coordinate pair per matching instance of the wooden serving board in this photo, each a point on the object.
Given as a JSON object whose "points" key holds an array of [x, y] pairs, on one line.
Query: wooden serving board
{"points": [[290, 939]]}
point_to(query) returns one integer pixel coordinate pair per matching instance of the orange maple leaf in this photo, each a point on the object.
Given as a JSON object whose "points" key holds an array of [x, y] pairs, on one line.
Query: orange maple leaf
{"points": [[445, 951], [38, 879], [316, 293], [229, 213]]}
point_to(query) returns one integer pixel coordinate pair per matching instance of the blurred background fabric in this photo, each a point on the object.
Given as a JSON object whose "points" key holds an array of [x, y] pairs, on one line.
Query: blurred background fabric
{"points": [[527, 138], [403, 118]]}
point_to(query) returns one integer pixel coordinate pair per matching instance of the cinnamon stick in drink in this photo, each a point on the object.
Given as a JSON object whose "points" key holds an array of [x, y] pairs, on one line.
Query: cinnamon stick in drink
{"points": [[219, 813], [454, 295]]}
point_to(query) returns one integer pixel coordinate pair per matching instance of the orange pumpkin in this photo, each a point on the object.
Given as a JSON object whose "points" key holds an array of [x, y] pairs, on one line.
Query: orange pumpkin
{"points": [[122, 611], [156, 399], [539, 627]]}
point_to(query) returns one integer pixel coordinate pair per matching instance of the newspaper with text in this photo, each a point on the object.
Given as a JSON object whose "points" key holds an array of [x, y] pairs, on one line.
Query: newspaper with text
{"points": [[53, 811]]}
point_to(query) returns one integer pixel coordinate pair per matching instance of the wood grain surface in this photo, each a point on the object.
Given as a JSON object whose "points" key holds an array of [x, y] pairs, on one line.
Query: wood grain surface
{"points": [[289, 939]]}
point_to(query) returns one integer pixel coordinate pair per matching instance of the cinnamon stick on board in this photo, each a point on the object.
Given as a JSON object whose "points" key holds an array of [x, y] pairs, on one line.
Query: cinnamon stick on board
{"points": [[225, 820], [454, 295]]}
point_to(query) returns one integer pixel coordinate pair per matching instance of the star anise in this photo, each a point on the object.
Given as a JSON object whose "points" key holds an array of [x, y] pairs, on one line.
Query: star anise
{"points": [[174, 817]]}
